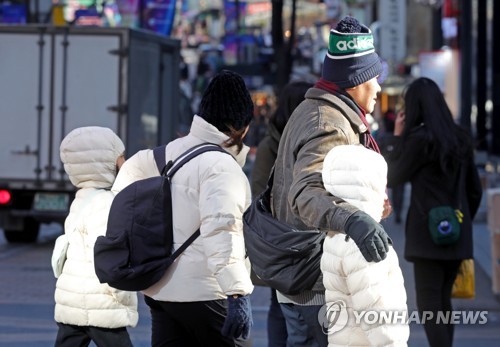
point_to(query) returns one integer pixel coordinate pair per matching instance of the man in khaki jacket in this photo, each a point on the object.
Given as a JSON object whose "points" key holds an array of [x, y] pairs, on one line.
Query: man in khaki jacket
{"points": [[332, 114]]}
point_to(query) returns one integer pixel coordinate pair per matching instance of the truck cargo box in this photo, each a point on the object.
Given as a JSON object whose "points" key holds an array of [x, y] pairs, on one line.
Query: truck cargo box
{"points": [[55, 79]]}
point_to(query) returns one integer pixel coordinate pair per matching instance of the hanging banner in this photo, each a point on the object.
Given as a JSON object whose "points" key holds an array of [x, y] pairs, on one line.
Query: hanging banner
{"points": [[158, 16], [13, 13], [392, 35], [232, 14], [129, 12]]}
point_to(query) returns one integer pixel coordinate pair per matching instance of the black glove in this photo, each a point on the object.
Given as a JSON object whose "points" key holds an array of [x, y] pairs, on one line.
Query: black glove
{"points": [[239, 317], [369, 236]]}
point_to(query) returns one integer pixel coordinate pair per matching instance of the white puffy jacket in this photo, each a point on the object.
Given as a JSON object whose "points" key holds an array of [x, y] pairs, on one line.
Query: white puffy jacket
{"points": [[359, 176], [210, 192], [89, 155]]}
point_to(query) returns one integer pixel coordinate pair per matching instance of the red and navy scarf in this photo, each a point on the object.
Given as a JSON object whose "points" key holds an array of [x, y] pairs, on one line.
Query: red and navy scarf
{"points": [[368, 140]]}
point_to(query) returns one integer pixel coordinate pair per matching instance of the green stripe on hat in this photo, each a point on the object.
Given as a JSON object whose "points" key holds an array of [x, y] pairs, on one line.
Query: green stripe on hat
{"points": [[348, 44]]}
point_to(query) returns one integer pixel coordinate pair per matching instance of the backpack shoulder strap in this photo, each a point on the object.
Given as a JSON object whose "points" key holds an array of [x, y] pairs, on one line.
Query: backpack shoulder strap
{"points": [[172, 168], [159, 154], [191, 153], [185, 245]]}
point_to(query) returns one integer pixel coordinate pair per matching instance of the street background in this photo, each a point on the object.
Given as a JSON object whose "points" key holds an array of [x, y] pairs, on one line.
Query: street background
{"points": [[27, 288], [452, 42]]}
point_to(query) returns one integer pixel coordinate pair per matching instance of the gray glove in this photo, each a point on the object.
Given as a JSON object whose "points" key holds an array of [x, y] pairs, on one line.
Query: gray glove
{"points": [[369, 236]]}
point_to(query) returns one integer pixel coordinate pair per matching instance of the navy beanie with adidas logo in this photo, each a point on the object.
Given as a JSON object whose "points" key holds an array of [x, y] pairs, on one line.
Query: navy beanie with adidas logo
{"points": [[351, 59]]}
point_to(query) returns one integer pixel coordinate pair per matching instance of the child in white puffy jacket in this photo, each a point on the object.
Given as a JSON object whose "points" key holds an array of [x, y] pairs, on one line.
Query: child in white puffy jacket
{"points": [[353, 286], [87, 310]]}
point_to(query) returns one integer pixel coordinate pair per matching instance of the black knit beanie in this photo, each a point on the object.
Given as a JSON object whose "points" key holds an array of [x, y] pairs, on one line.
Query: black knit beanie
{"points": [[351, 59], [226, 103]]}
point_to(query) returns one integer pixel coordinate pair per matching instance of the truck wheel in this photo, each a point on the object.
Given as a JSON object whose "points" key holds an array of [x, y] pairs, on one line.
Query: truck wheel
{"points": [[27, 235]]}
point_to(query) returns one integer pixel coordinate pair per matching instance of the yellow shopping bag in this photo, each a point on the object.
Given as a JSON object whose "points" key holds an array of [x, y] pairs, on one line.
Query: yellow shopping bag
{"points": [[464, 285]]}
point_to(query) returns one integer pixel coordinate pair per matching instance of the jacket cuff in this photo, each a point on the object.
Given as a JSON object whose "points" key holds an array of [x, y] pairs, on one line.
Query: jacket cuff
{"points": [[235, 279]]}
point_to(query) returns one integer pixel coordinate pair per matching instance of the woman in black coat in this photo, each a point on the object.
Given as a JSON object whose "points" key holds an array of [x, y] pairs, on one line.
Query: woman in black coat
{"points": [[437, 157], [290, 97]]}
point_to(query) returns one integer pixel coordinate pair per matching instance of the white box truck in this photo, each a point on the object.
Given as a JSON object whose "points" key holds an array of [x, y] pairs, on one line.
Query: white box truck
{"points": [[55, 79]]}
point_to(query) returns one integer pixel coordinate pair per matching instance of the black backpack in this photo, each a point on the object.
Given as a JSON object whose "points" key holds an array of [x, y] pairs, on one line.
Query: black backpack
{"points": [[137, 248], [285, 258]]}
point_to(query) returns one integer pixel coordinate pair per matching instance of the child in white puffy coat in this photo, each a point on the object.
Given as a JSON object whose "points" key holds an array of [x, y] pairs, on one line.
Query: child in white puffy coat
{"points": [[353, 286], [85, 309]]}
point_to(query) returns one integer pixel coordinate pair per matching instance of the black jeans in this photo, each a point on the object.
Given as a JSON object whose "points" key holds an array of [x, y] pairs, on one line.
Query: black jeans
{"points": [[81, 336], [433, 283], [185, 324]]}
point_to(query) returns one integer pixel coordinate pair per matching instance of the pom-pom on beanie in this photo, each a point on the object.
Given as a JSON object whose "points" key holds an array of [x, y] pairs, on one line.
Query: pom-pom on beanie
{"points": [[351, 59], [226, 103]]}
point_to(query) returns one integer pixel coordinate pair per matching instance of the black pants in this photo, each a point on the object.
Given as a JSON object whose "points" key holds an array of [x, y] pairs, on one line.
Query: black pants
{"points": [[186, 324], [433, 283], [81, 336], [398, 195]]}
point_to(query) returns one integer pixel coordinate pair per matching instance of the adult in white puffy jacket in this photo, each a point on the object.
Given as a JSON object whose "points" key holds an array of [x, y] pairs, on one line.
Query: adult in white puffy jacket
{"points": [[203, 298], [359, 176], [86, 309]]}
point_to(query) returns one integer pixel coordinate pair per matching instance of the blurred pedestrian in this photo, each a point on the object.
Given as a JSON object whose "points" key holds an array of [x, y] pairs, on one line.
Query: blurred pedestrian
{"points": [[359, 176], [333, 113], [204, 74], [185, 100], [291, 96], [398, 191], [87, 310], [203, 299], [436, 156]]}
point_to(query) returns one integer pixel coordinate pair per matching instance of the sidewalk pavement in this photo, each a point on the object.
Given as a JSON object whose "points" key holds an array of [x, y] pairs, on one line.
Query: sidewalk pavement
{"points": [[489, 166], [482, 248]]}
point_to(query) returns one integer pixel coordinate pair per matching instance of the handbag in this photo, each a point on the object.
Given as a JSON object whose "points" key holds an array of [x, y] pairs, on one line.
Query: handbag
{"points": [[444, 222], [444, 225], [464, 285], [59, 254], [283, 257]]}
